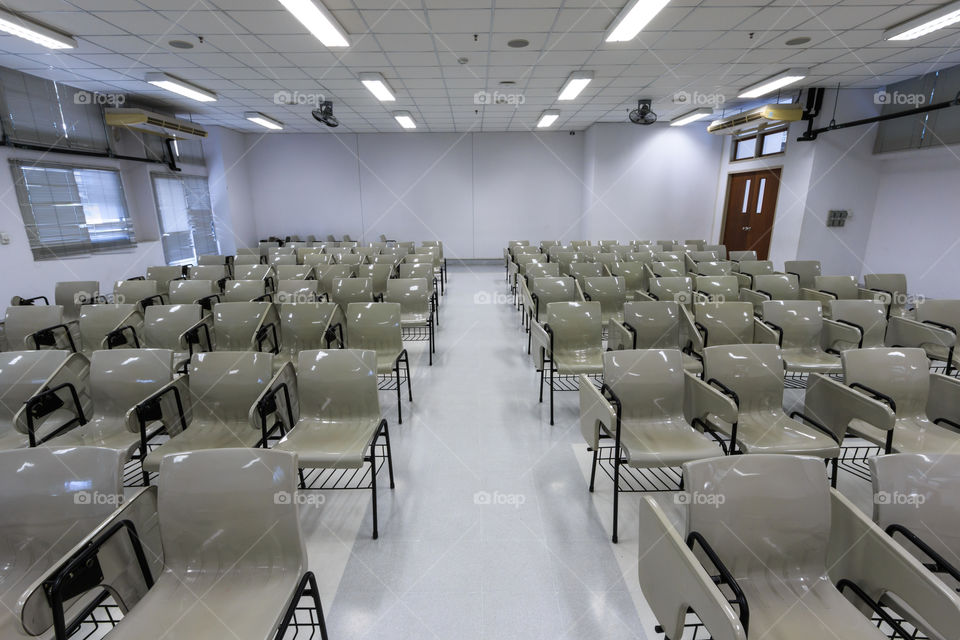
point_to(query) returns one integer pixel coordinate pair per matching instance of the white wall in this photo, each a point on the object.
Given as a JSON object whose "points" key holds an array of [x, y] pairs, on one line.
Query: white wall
{"points": [[229, 182], [650, 182], [916, 225], [473, 191]]}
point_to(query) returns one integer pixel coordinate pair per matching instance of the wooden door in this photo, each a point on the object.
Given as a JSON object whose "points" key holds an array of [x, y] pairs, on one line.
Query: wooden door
{"points": [[751, 205]]}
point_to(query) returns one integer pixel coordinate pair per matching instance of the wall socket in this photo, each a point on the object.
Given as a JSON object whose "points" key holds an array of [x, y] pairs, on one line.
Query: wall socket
{"points": [[4, 238]]}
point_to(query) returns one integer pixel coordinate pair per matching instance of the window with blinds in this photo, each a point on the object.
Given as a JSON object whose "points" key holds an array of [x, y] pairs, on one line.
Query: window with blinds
{"points": [[70, 210], [187, 228]]}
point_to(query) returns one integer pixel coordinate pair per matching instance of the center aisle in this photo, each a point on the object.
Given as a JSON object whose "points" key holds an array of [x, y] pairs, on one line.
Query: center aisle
{"points": [[490, 532]]}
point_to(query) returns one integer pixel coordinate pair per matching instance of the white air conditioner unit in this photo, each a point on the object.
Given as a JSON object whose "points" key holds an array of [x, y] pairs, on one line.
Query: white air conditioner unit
{"points": [[154, 123], [760, 118]]}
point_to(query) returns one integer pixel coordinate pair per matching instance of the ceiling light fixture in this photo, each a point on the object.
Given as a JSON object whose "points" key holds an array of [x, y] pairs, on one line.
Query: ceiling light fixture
{"points": [[263, 120], [376, 85], [576, 83], [691, 116], [181, 87], [318, 21], [34, 32], [632, 19], [925, 23], [773, 83], [404, 119], [547, 118]]}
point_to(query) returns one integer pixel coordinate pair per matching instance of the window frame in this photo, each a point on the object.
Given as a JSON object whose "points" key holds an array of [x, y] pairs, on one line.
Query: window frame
{"points": [[156, 176], [759, 136], [43, 251]]}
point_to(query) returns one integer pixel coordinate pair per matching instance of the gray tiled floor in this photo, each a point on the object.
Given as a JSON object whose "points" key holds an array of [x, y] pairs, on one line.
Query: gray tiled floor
{"points": [[490, 532]]}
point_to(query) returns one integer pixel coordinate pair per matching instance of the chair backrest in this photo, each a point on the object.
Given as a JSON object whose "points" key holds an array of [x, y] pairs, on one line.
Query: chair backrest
{"points": [[212, 272], [703, 256], [609, 291], [791, 537], [541, 270], [719, 249], [20, 321], [725, 322], [756, 267], [349, 258], [552, 289], [119, 379], [230, 512], [715, 268], [211, 258], [678, 289], [253, 272], [579, 244], [753, 371], [518, 243], [672, 269], [246, 259], [580, 270], [632, 274], [566, 259], [327, 274], [292, 271], [800, 320], [412, 294], [656, 324], [71, 294], [379, 275], [189, 291], [649, 383], [225, 384], [294, 291], [805, 270], [133, 291], [385, 258], [22, 374], [718, 288], [97, 320], [282, 259], [577, 327], [163, 274], [338, 385], [946, 312], [893, 283], [236, 324], [844, 287], [737, 256], [52, 499], [348, 290], [903, 374], [243, 290], [779, 286], [667, 256], [870, 316], [303, 325], [417, 271], [163, 324], [374, 325], [919, 492], [316, 259]]}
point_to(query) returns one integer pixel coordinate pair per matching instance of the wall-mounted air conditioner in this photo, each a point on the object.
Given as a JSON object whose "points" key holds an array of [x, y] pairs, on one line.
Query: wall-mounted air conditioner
{"points": [[760, 118], [154, 123]]}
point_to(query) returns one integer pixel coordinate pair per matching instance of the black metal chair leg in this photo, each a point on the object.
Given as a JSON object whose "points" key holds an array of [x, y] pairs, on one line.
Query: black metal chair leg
{"points": [[551, 393], [406, 362], [386, 437], [543, 366], [144, 472], [593, 468], [373, 485], [396, 368], [835, 464], [315, 592], [303, 482], [430, 346], [616, 492]]}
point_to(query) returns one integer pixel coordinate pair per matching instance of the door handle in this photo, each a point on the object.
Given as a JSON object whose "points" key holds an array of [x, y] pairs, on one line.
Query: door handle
{"points": [[745, 228]]}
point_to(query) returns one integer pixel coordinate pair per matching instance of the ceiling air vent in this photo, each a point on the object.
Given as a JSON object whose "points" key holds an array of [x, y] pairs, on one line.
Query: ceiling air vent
{"points": [[759, 118], [154, 123]]}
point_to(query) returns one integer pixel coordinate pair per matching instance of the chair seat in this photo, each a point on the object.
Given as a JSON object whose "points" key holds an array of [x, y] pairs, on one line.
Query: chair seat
{"points": [[222, 435], [386, 361], [324, 444], [692, 365], [664, 444], [587, 362], [811, 361], [103, 432], [785, 609], [207, 604], [910, 435], [10, 438], [775, 432]]}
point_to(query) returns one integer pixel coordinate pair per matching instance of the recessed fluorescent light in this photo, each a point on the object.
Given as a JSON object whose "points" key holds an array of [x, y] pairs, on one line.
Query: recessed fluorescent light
{"points": [[405, 119], [692, 116], [633, 18], [925, 23], [576, 83], [182, 87], [34, 32], [547, 118], [318, 21], [263, 120], [773, 83], [376, 85]]}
